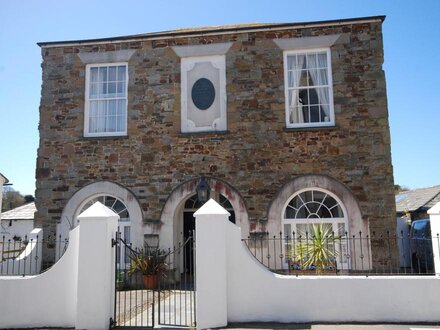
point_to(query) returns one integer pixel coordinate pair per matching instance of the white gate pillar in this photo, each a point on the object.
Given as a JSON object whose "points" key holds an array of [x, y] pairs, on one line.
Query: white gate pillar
{"points": [[211, 282], [434, 216], [98, 225]]}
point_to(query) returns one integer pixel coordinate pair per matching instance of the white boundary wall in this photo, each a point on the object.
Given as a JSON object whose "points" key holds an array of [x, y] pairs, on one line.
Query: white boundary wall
{"points": [[255, 294], [77, 290], [48, 299]]}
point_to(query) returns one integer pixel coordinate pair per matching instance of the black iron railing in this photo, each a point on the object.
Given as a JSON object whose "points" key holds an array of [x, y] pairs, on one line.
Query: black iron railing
{"points": [[329, 254], [24, 256]]}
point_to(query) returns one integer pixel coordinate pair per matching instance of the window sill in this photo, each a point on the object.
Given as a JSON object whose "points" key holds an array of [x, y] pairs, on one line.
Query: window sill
{"points": [[312, 128], [203, 133], [105, 137]]}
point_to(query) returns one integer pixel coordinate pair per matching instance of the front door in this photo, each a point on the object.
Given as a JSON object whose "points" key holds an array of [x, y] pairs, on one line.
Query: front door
{"points": [[189, 226]]}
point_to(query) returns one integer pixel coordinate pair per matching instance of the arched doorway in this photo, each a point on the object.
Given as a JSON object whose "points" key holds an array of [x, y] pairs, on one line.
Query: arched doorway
{"points": [[172, 217], [191, 205], [181, 204]]}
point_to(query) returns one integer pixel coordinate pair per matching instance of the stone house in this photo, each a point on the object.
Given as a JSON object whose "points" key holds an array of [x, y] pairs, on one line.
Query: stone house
{"points": [[286, 123]]}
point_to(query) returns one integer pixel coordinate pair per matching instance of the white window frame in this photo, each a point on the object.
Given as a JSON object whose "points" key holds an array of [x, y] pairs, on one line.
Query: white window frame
{"points": [[342, 263], [331, 122], [187, 64], [87, 132]]}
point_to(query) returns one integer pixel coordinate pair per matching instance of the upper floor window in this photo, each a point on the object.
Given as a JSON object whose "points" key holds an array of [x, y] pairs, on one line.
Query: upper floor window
{"points": [[106, 100], [308, 88]]}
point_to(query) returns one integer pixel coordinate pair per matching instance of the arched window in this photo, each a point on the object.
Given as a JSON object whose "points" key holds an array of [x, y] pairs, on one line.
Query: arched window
{"points": [[112, 203], [313, 204], [310, 207]]}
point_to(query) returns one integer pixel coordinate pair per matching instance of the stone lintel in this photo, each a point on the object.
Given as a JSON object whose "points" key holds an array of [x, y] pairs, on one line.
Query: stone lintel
{"points": [[202, 50], [107, 57], [307, 42]]}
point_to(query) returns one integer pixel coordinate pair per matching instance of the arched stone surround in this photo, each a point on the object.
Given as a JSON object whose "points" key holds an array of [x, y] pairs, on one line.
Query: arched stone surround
{"points": [[77, 201], [171, 222], [350, 205]]}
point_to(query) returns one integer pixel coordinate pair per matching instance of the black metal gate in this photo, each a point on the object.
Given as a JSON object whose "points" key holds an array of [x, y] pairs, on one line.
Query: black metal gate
{"points": [[166, 299]]}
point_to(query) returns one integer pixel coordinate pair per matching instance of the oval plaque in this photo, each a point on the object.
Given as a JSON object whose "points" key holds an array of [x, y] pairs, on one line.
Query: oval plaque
{"points": [[203, 93]]}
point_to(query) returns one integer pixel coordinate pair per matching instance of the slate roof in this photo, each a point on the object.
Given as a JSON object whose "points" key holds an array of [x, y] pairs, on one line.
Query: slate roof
{"points": [[207, 30], [24, 212], [413, 200]]}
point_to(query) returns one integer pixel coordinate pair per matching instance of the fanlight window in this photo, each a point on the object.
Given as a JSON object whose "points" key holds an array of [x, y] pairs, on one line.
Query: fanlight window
{"points": [[313, 204], [223, 201], [193, 203], [112, 203]]}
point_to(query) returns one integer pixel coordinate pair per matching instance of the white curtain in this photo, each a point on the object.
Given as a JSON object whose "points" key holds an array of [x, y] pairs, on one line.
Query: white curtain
{"points": [[100, 120], [111, 125], [295, 63], [317, 64]]}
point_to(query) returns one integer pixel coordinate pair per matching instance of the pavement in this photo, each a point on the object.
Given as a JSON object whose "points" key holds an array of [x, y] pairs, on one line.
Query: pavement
{"points": [[248, 326]]}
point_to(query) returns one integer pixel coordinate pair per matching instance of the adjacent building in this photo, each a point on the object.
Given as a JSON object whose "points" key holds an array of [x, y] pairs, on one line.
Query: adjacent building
{"points": [[16, 224], [415, 203]]}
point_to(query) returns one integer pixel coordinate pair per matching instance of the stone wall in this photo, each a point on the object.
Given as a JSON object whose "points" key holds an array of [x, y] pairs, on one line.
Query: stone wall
{"points": [[257, 155]]}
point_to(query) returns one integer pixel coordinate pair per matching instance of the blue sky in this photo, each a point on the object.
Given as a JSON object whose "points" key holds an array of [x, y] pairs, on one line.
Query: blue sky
{"points": [[412, 53]]}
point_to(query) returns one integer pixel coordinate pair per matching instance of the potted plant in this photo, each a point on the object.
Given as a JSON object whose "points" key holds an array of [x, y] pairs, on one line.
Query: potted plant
{"points": [[151, 262], [316, 252]]}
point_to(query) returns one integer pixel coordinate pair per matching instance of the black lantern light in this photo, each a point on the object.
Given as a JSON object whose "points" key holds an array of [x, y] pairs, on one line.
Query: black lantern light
{"points": [[202, 190]]}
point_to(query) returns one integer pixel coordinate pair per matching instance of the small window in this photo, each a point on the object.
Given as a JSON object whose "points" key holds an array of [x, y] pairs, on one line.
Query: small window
{"points": [[308, 88], [106, 100]]}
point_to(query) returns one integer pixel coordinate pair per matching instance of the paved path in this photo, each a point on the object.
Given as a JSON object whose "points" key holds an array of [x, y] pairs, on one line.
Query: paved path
{"points": [[174, 308]]}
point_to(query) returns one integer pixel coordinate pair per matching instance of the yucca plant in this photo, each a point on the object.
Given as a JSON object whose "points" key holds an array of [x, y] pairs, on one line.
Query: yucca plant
{"points": [[317, 249], [149, 261]]}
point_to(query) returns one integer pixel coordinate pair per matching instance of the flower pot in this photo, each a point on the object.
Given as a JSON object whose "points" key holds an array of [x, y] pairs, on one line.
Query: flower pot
{"points": [[150, 281]]}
